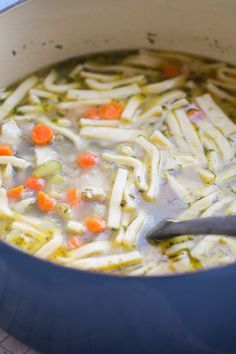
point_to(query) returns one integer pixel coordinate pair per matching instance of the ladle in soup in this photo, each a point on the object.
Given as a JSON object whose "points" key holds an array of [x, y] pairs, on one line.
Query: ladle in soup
{"points": [[215, 225]]}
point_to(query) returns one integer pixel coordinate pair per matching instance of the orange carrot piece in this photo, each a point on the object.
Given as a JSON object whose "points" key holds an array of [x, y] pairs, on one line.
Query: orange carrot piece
{"points": [[5, 150], [16, 192], [171, 70], [91, 113], [95, 224], [87, 160], [75, 242], [42, 135], [34, 183], [73, 196], [111, 110], [45, 202]]}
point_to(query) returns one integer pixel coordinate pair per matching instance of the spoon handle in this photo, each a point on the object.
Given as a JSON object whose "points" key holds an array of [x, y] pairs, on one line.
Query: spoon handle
{"points": [[215, 225]]}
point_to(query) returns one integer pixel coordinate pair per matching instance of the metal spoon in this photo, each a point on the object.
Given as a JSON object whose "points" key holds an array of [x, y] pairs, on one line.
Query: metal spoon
{"points": [[215, 225]]}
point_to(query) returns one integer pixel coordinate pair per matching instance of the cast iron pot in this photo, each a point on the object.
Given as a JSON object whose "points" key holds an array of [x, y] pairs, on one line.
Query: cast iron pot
{"points": [[59, 310]]}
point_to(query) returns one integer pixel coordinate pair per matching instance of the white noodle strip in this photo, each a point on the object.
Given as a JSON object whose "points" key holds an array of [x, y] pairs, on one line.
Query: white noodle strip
{"points": [[76, 71], [1, 177], [28, 109], [133, 230], [14, 161], [191, 137], [226, 175], [160, 140], [67, 133], [77, 104], [111, 134], [129, 194], [108, 262], [175, 130], [127, 217], [24, 204], [199, 206], [120, 236], [95, 247], [215, 114], [29, 230], [17, 96], [206, 176], [5, 211], [143, 58], [99, 77], [99, 123], [114, 212], [4, 94], [218, 206], [163, 86], [156, 110], [124, 69], [230, 87], [170, 96], [96, 85], [231, 208], [131, 108], [213, 154], [153, 168], [172, 55], [41, 93], [223, 95], [139, 169], [49, 83], [181, 192], [185, 160], [220, 140], [204, 246], [75, 226], [223, 73], [49, 248], [116, 93], [34, 99], [204, 192], [178, 104]]}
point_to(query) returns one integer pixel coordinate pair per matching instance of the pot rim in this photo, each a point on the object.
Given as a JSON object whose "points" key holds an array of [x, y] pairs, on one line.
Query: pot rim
{"points": [[14, 4], [102, 275]]}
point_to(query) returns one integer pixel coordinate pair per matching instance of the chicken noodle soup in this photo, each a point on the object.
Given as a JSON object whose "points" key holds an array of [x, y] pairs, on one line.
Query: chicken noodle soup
{"points": [[96, 151]]}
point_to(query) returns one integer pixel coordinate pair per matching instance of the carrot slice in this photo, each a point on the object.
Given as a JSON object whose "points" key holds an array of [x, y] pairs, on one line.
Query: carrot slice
{"points": [[75, 242], [45, 202], [91, 113], [42, 135], [73, 196], [16, 192], [95, 224], [87, 160], [34, 183], [171, 70], [111, 110], [5, 150]]}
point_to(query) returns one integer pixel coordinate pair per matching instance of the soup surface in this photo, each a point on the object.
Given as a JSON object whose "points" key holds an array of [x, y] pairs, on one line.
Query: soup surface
{"points": [[96, 151]]}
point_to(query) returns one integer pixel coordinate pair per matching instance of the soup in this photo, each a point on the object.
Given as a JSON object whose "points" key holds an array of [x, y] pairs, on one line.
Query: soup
{"points": [[96, 151]]}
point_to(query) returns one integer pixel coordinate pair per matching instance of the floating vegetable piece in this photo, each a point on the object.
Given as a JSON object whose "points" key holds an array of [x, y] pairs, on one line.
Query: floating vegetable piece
{"points": [[34, 183], [48, 168], [87, 160], [45, 202], [42, 135], [95, 224]]}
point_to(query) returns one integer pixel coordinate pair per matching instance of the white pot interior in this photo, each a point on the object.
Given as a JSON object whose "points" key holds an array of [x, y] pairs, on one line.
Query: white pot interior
{"points": [[38, 33]]}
